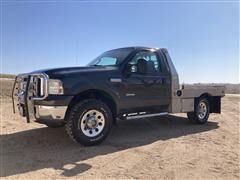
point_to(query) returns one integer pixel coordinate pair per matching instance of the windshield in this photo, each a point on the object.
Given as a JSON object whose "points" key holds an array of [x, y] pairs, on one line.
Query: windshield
{"points": [[111, 58]]}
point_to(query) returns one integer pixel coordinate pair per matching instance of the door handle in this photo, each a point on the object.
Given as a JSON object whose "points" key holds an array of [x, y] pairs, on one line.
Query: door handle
{"points": [[161, 81], [164, 81], [148, 82]]}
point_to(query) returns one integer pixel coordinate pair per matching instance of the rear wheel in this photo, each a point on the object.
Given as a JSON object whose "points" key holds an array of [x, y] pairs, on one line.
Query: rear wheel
{"points": [[201, 111], [89, 122]]}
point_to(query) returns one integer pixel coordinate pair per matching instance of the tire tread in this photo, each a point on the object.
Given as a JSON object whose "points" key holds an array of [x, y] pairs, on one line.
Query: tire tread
{"points": [[70, 119], [192, 116]]}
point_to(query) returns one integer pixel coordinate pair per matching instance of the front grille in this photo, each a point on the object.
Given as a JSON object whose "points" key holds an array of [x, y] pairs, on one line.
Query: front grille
{"points": [[26, 89], [34, 86], [38, 88]]}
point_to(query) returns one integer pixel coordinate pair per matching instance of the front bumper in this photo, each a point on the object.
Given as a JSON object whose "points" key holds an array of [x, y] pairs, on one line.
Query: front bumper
{"points": [[50, 112], [33, 100]]}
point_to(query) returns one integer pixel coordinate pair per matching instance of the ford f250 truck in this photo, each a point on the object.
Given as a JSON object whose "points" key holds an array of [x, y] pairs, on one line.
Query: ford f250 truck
{"points": [[125, 83]]}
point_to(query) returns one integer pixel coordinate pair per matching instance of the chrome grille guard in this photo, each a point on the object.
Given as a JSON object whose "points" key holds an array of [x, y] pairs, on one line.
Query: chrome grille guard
{"points": [[27, 88]]}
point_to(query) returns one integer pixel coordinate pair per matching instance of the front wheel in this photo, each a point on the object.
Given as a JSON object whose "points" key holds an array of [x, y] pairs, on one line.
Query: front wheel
{"points": [[201, 112], [89, 122]]}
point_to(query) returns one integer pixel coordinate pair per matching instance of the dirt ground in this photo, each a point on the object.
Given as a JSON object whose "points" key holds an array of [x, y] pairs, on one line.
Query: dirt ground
{"points": [[157, 148]]}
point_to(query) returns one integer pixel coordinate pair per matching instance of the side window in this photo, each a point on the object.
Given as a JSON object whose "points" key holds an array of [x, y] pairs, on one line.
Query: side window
{"points": [[104, 61], [153, 65]]}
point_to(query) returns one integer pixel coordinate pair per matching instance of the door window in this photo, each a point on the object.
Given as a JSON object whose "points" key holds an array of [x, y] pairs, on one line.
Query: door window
{"points": [[152, 61]]}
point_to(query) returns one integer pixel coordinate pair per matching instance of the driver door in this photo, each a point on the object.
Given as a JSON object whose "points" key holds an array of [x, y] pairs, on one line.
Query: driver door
{"points": [[147, 91]]}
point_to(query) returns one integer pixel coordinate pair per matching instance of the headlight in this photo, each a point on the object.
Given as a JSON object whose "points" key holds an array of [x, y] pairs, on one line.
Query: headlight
{"points": [[55, 86]]}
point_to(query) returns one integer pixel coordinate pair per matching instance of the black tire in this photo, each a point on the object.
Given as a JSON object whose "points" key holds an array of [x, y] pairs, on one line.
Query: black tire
{"points": [[195, 117], [76, 116]]}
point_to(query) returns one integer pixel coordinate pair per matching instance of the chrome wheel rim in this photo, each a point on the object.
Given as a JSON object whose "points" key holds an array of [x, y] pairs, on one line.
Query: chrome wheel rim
{"points": [[202, 110], [92, 123]]}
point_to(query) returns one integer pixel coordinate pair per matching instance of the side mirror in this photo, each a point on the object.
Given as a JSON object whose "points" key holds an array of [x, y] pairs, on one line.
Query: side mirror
{"points": [[127, 70], [142, 66]]}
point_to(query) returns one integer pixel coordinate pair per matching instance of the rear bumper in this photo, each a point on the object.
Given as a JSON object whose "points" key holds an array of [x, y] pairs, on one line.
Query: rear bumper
{"points": [[50, 112]]}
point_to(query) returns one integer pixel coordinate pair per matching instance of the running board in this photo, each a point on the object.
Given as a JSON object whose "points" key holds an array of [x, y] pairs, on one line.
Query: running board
{"points": [[146, 115]]}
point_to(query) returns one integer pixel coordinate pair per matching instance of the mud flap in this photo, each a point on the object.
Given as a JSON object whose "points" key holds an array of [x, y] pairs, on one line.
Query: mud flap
{"points": [[215, 104]]}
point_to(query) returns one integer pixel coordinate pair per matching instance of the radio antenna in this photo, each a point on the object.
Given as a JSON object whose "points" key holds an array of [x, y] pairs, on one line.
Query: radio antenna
{"points": [[76, 53]]}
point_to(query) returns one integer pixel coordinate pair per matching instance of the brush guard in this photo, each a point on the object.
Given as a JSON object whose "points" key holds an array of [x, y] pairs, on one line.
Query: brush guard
{"points": [[27, 89]]}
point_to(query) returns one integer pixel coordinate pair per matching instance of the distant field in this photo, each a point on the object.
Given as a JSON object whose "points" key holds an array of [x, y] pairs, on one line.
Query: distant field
{"points": [[232, 88], [7, 76]]}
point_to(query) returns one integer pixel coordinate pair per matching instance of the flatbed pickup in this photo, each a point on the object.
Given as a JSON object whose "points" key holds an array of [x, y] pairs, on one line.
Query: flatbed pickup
{"points": [[125, 83]]}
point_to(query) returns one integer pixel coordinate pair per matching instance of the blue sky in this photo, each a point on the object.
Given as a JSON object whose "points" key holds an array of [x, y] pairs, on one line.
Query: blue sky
{"points": [[202, 37]]}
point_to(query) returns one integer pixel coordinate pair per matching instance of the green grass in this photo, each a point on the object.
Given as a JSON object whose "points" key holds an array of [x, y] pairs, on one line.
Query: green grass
{"points": [[11, 76]]}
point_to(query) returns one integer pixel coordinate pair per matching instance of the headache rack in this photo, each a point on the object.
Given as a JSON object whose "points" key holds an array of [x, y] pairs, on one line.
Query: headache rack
{"points": [[26, 89]]}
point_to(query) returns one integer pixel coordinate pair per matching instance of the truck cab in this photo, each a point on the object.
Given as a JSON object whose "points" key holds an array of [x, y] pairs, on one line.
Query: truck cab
{"points": [[120, 84]]}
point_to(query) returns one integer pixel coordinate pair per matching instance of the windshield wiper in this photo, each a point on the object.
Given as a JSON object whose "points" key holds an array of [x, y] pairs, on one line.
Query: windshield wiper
{"points": [[95, 65]]}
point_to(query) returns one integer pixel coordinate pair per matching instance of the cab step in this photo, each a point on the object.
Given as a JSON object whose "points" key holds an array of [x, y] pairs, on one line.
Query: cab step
{"points": [[138, 115]]}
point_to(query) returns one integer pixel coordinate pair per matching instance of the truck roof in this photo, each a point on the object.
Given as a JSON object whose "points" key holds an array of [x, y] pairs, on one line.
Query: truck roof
{"points": [[135, 47]]}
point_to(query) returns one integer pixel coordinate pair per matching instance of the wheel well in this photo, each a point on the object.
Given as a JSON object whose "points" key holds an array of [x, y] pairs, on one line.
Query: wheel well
{"points": [[95, 94], [214, 102], [205, 95]]}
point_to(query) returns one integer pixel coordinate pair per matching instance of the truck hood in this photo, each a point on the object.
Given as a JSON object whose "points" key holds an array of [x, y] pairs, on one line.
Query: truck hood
{"points": [[74, 70]]}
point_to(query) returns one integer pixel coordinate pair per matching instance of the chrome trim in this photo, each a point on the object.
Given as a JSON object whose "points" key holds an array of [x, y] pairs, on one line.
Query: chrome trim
{"points": [[116, 80], [44, 86], [132, 114], [41, 88], [50, 112], [130, 94], [147, 115]]}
